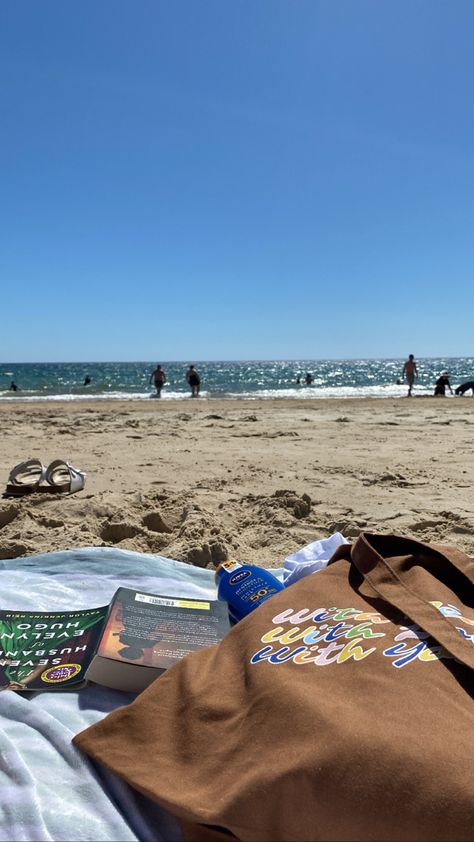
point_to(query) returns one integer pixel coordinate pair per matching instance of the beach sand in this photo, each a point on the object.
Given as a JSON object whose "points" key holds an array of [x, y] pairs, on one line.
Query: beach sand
{"points": [[201, 481]]}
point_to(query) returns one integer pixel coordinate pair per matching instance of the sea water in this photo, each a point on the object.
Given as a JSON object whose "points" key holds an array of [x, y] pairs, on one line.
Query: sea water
{"points": [[357, 378]]}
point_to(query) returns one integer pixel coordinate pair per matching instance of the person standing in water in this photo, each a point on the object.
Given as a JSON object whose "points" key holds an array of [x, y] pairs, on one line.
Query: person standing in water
{"points": [[159, 378], [409, 372], [194, 381]]}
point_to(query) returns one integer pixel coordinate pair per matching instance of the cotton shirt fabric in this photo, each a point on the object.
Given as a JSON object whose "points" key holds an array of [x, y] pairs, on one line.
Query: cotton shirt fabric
{"points": [[311, 558]]}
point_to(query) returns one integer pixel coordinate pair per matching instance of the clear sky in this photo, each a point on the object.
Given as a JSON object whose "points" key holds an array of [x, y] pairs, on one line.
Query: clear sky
{"points": [[236, 179]]}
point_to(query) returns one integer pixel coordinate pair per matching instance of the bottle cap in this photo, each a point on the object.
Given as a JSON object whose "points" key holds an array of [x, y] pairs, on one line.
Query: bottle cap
{"points": [[223, 564]]}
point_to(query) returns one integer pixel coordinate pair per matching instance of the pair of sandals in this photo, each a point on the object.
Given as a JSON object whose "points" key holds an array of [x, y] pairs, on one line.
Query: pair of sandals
{"points": [[58, 478]]}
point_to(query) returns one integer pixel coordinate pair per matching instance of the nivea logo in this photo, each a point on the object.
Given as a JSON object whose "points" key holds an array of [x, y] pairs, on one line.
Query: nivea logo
{"points": [[239, 576]]}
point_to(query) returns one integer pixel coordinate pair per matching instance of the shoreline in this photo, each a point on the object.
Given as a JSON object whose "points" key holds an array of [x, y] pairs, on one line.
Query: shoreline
{"points": [[312, 395], [202, 479], [153, 403]]}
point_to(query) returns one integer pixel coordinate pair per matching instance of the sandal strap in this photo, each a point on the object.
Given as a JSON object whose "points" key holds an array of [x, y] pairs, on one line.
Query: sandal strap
{"points": [[77, 478], [26, 468]]}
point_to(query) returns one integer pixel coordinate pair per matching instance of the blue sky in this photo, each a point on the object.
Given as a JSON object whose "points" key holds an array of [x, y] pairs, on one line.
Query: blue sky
{"points": [[232, 179]]}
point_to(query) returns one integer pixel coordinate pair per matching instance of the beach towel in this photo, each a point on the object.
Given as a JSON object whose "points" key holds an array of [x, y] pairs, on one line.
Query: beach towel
{"points": [[49, 790], [340, 709]]}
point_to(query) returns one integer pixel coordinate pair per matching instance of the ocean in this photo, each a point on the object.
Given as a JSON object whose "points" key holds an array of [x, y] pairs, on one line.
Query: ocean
{"points": [[364, 378]]}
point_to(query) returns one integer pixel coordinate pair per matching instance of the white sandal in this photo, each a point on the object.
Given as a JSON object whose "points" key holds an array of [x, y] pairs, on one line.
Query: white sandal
{"points": [[63, 478], [25, 478]]}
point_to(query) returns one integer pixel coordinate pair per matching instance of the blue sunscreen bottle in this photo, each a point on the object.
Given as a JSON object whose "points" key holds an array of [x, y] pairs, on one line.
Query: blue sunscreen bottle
{"points": [[244, 587]]}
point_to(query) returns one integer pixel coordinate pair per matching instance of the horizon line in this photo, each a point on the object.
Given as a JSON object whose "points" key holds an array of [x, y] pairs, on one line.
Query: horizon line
{"points": [[229, 360]]}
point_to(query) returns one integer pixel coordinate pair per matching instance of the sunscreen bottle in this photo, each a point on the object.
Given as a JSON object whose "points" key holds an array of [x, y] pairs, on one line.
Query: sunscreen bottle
{"points": [[244, 587]]}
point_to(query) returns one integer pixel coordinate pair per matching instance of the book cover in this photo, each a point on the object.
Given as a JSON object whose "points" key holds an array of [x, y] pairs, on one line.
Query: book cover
{"points": [[124, 645], [146, 633], [47, 650]]}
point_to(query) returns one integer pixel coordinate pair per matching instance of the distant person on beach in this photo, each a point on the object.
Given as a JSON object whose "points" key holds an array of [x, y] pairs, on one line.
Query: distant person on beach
{"points": [[194, 381], [13, 387], [87, 380], [309, 379], [298, 381], [442, 384], [464, 387], [409, 373], [159, 378]]}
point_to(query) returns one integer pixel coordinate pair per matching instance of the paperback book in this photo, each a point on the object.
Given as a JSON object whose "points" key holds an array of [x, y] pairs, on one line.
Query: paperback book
{"points": [[124, 645]]}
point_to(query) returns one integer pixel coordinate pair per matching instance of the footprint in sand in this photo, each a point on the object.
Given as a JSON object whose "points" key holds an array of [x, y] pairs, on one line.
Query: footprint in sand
{"points": [[462, 530], [8, 515], [155, 522], [112, 533], [12, 550], [424, 524], [49, 522]]}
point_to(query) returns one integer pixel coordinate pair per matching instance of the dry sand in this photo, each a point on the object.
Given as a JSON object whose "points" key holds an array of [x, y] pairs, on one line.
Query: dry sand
{"points": [[201, 481]]}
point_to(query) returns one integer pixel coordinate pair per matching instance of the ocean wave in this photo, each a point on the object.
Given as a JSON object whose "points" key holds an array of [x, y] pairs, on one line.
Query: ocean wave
{"points": [[89, 396], [302, 393]]}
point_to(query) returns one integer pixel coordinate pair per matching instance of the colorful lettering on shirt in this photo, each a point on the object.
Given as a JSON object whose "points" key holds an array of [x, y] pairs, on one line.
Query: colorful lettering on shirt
{"points": [[279, 635], [302, 616], [451, 611], [326, 636], [465, 634], [404, 654], [321, 657]]}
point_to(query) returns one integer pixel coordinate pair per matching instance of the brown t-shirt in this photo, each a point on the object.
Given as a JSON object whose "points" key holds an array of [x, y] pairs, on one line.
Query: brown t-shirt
{"points": [[341, 709]]}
